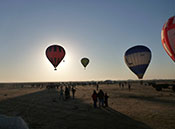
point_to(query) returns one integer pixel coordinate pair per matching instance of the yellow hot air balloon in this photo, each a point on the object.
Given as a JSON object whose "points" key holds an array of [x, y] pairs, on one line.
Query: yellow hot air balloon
{"points": [[84, 62]]}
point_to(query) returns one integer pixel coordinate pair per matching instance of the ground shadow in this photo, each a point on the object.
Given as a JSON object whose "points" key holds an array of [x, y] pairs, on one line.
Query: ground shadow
{"points": [[44, 110]]}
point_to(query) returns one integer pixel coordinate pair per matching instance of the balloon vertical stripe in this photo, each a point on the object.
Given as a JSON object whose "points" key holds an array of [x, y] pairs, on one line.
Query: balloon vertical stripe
{"points": [[168, 37], [137, 59]]}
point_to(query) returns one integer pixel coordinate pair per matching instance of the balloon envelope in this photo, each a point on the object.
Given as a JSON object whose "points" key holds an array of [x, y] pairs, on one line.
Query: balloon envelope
{"points": [[168, 37], [55, 54], [84, 62], [137, 59]]}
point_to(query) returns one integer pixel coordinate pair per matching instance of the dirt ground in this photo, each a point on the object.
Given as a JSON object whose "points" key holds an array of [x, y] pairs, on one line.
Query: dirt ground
{"points": [[140, 108]]}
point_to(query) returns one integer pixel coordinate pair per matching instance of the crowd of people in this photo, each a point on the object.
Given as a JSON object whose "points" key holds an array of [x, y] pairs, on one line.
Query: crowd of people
{"points": [[101, 98], [65, 94]]}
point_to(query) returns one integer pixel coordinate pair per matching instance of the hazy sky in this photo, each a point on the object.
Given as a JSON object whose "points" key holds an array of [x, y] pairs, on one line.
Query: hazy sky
{"points": [[101, 30]]}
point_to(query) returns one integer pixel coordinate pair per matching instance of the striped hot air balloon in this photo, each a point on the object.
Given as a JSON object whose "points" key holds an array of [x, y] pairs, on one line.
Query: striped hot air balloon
{"points": [[168, 37], [55, 54], [137, 59]]}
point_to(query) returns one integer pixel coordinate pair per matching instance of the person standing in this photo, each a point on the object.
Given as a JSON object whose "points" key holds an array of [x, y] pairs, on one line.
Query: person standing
{"points": [[101, 98], [66, 93], [97, 87], [94, 98], [61, 97], [129, 86], [73, 92], [106, 100]]}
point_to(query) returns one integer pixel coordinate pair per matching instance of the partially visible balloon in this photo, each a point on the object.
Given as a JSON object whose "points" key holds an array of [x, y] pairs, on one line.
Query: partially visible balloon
{"points": [[84, 62], [55, 54], [137, 59], [168, 37]]}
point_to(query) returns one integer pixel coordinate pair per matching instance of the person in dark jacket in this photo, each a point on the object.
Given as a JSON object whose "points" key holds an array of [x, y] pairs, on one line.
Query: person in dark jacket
{"points": [[106, 100], [73, 92], [129, 86], [94, 98], [101, 98], [67, 94], [97, 87]]}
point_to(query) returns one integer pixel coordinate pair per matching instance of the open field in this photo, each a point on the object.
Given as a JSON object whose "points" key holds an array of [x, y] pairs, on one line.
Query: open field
{"points": [[141, 108]]}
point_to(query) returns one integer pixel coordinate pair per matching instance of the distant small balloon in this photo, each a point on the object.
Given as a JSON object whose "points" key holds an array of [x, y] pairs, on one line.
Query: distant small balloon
{"points": [[168, 37], [84, 62], [55, 54], [137, 59]]}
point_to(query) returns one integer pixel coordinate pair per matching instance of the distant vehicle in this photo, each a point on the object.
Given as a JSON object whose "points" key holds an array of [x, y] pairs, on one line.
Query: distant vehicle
{"points": [[138, 58], [168, 37], [160, 86], [108, 82]]}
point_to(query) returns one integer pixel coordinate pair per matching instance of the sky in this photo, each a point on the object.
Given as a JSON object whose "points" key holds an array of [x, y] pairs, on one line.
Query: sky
{"points": [[101, 30]]}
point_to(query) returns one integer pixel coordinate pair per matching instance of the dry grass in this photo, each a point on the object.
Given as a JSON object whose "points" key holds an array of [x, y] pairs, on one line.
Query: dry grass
{"points": [[140, 108]]}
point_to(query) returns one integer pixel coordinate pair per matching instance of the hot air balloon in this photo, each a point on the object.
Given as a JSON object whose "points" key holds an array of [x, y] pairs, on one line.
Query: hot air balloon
{"points": [[137, 58], [55, 54], [84, 62], [168, 37]]}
